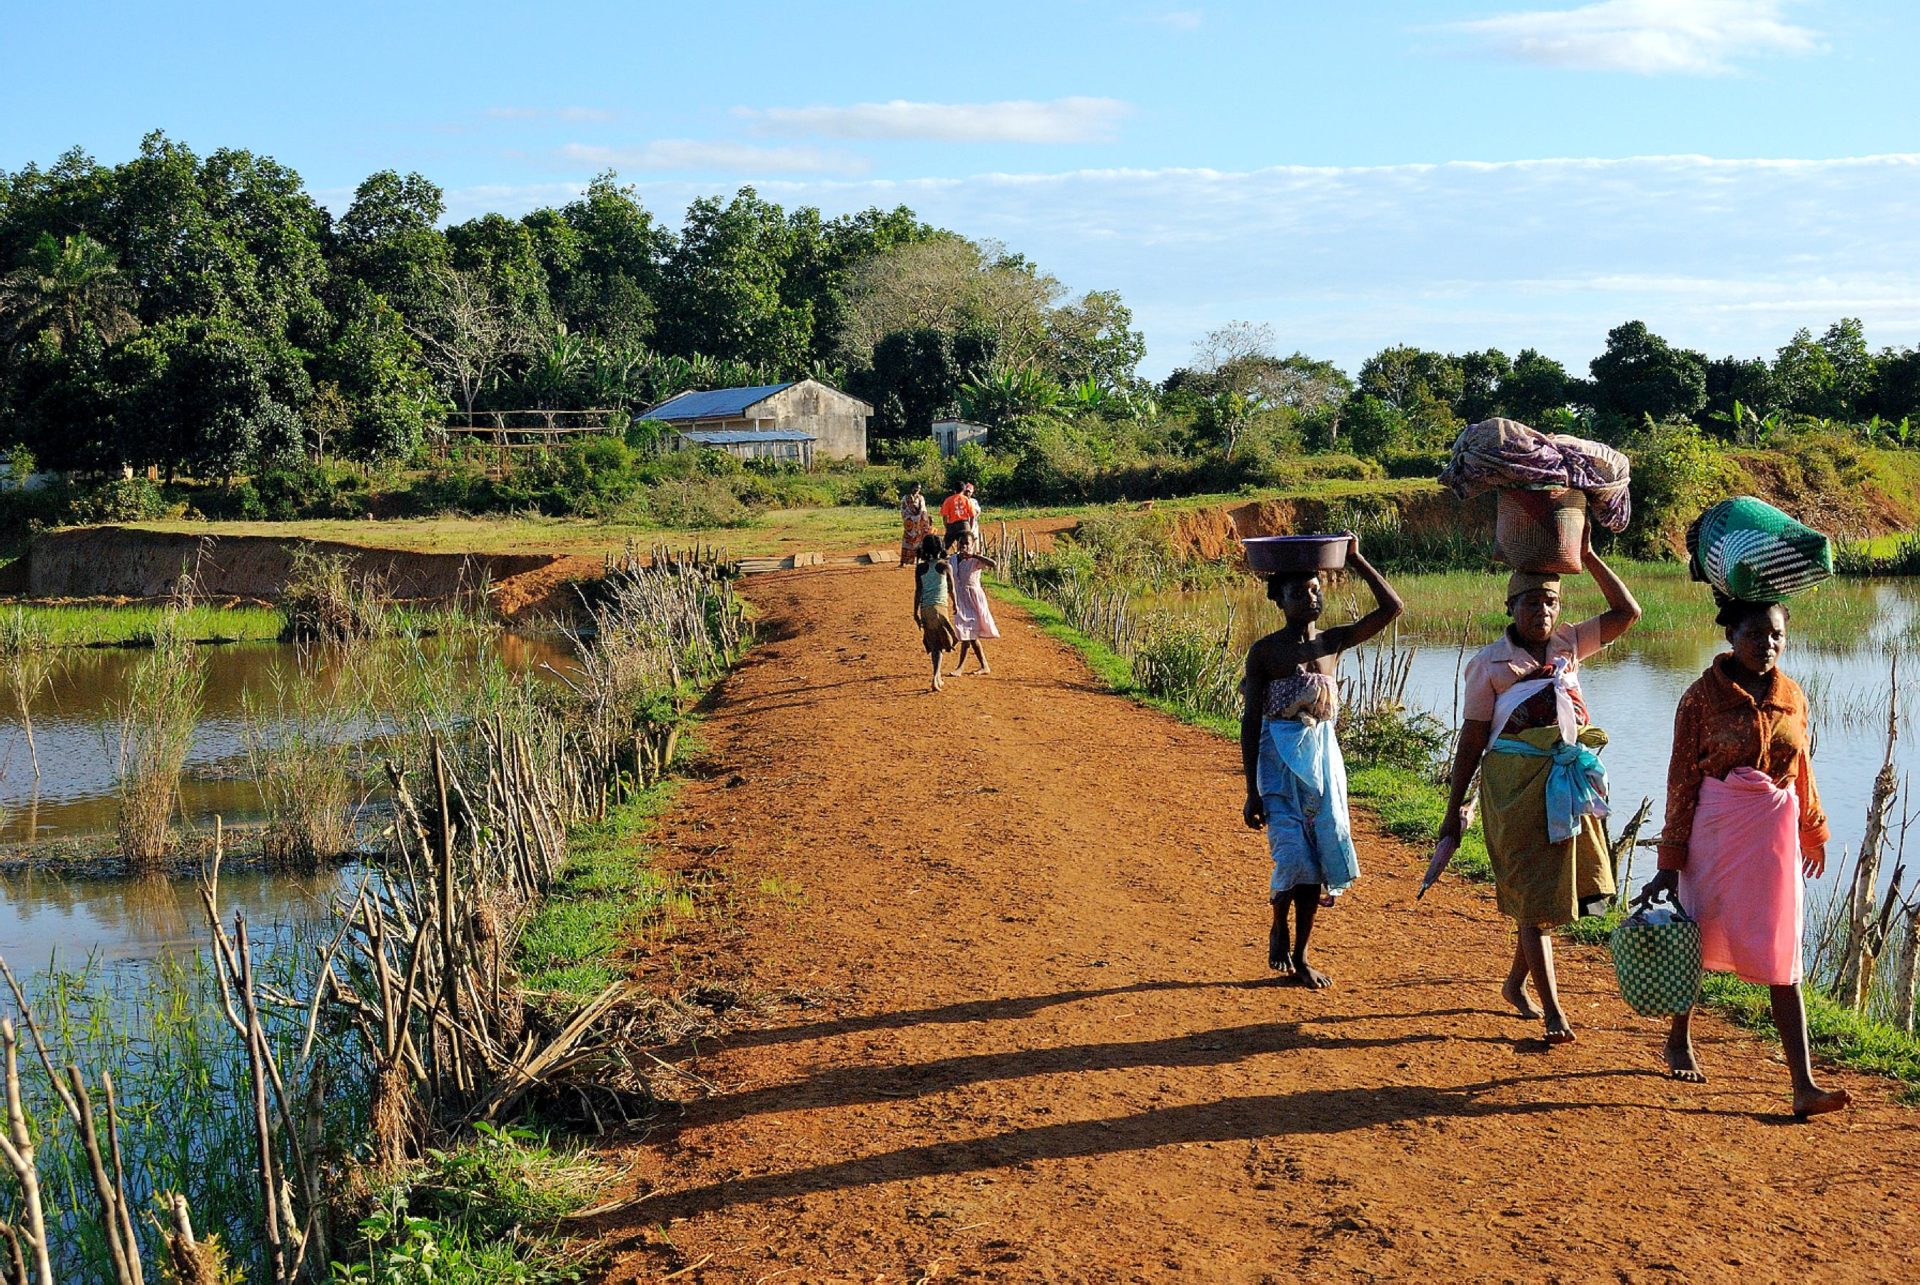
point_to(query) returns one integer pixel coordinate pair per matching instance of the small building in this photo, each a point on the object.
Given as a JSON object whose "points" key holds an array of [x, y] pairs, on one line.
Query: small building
{"points": [[835, 421], [787, 444], [952, 434]]}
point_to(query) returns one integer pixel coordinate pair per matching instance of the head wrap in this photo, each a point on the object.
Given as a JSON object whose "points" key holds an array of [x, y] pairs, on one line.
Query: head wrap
{"points": [[1527, 581]]}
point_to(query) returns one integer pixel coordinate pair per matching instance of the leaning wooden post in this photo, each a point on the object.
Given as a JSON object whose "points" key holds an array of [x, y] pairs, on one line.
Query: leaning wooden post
{"points": [[17, 1146]]}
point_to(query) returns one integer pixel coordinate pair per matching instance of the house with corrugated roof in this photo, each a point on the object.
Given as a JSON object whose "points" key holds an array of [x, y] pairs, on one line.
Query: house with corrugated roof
{"points": [[769, 421]]}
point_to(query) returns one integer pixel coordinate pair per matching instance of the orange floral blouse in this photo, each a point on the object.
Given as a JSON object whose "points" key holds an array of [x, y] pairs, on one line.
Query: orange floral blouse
{"points": [[1719, 727]]}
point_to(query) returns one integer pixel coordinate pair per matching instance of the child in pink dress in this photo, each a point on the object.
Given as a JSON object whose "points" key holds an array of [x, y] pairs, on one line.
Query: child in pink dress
{"points": [[972, 614]]}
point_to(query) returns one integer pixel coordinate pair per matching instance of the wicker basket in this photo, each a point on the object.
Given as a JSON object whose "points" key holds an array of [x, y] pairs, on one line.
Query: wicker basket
{"points": [[1540, 530]]}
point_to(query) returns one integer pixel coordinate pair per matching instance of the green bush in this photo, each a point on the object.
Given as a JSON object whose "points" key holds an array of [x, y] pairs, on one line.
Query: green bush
{"points": [[124, 499], [310, 491], [691, 503], [1677, 472]]}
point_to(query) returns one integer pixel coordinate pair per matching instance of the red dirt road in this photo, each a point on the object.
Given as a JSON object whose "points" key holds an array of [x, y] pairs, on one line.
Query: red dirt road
{"points": [[1008, 1018]]}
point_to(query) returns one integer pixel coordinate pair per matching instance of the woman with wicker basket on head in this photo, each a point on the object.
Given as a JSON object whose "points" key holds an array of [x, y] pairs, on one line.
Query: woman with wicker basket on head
{"points": [[1525, 731], [1744, 823]]}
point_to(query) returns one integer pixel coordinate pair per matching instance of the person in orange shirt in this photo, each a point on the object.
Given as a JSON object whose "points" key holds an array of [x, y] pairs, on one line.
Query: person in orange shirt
{"points": [[1744, 824], [962, 513]]}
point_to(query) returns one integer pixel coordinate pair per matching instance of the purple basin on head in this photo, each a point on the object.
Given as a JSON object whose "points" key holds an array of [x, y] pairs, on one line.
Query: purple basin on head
{"points": [[1268, 554]]}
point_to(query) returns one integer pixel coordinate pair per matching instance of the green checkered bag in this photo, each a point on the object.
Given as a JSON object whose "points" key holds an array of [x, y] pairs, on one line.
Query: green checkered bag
{"points": [[1749, 550], [1656, 960]]}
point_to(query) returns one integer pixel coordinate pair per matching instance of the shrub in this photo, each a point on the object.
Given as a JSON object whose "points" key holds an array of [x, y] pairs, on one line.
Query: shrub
{"points": [[1677, 472], [691, 503], [325, 600], [124, 499]]}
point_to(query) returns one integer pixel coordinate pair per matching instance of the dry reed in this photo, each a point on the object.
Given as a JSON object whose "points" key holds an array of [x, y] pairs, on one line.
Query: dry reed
{"points": [[153, 726]]}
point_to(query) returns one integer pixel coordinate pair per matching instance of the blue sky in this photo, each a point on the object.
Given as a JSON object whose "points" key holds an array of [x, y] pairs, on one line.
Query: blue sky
{"points": [[1505, 172]]}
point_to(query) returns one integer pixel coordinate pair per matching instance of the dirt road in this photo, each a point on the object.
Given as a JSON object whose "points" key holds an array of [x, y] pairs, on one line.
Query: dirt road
{"points": [[1009, 1019]]}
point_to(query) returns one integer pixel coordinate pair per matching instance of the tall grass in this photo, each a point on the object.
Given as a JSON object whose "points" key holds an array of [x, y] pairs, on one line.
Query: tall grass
{"points": [[153, 724], [303, 750], [28, 664], [326, 600]]}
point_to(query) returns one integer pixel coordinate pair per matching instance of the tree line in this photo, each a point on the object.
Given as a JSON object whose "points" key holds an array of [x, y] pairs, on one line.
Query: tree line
{"points": [[205, 315]]}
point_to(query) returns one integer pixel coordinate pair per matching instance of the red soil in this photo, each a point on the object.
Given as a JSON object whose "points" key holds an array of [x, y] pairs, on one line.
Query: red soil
{"points": [[1016, 1024]]}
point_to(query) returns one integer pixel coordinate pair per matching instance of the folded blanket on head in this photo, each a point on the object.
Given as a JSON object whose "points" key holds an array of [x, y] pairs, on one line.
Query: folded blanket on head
{"points": [[1498, 453], [1747, 549]]}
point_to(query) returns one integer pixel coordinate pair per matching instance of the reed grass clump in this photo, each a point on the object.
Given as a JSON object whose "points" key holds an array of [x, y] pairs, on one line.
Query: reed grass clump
{"points": [[28, 664], [327, 600], [153, 727], [301, 746], [1189, 664]]}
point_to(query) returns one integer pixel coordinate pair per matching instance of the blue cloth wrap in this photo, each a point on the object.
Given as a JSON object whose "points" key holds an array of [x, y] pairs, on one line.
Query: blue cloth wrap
{"points": [[1303, 783], [1576, 783]]}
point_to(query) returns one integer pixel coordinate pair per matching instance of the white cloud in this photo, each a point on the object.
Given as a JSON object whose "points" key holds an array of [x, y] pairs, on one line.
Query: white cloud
{"points": [[703, 154], [571, 114], [1727, 255], [1059, 120], [1649, 37]]}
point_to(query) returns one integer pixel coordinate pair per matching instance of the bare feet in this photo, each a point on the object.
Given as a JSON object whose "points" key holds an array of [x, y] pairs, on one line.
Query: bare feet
{"points": [[936, 684], [1681, 1064], [984, 669], [1819, 1102], [1514, 991], [1277, 958], [1558, 1032], [1309, 976]]}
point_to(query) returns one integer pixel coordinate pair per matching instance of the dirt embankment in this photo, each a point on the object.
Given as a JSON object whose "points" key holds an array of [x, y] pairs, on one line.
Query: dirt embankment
{"points": [[116, 562], [1215, 532]]}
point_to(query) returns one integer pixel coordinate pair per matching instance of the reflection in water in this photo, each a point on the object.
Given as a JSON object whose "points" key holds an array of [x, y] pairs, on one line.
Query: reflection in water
{"points": [[1634, 686], [45, 918], [74, 728]]}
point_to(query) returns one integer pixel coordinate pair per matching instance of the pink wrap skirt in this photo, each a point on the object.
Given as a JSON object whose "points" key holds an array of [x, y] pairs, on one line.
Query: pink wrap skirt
{"points": [[1742, 879]]}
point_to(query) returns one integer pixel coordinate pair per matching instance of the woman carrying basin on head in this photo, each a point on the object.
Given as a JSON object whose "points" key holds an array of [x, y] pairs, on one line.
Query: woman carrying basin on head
{"points": [[1296, 780], [1744, 823], [1525, 729]]}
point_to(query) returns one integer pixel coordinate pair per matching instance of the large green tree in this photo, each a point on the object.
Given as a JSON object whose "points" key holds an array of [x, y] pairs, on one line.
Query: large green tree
{"points": [[723, 286], [1534, 387], [389, 239], [64, 286], [1641, 375]]}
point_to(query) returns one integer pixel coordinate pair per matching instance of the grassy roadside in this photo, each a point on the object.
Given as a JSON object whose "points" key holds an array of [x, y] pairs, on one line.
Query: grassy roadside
{"points": [[1410, 808], [608, 894]]}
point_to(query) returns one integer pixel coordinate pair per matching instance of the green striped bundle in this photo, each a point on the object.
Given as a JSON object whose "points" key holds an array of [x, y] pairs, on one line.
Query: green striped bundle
{"points": [[1749, 550]]}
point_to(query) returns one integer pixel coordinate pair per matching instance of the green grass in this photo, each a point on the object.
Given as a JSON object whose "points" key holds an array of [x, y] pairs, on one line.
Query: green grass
{"points": [[134, 625], [1410, 808], [607, 895], [488, 1210], [1837, 1032]]}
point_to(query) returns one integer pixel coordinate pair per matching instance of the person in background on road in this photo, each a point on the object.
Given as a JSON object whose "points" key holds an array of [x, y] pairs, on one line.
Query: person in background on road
{"points": [[916, 524], [972, 613], [1744, 823], [932, 591], [1296, 779], [1525, 729], [961, 510]]}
